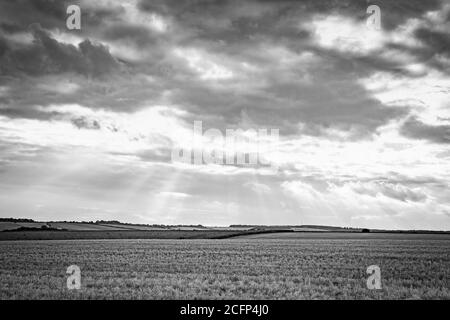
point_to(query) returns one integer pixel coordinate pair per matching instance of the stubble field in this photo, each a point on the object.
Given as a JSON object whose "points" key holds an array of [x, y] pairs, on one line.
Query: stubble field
{"points": [[269, 267]]}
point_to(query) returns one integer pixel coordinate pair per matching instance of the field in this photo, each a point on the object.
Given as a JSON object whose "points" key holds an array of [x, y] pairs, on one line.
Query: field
{"points": [[265, 266], [126, 234], [84, 226]]}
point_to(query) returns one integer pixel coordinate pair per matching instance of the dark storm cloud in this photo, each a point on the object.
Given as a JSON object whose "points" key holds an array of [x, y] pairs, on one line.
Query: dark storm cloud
{"points": [[437, 45], [416, 129], [330, 100], [308, 105], [18, 15], [236, 19], [234, 30], [10, 27], [47, 56], [24, 113], [437, 42], [126, 32], [326, 103], [434, 46], [3, 46]]}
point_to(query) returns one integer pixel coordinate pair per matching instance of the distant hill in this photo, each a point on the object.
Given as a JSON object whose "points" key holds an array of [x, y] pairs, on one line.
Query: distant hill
{"points": [[310, 227], [24, 224], [13, 224]]}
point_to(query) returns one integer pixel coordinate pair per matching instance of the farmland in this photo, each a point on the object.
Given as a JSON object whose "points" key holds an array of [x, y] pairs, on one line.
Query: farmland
{"points": [[263, 266], [121, 234]]}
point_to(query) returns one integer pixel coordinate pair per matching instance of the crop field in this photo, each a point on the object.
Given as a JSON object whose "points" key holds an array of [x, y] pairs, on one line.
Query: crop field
{"points": [[327, 267], [127, 234]]}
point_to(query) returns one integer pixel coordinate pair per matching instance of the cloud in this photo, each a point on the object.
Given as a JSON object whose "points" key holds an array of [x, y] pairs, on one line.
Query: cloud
{"points": [[47, 56], [258, 187], [346, 34], [361, 203], [90, 116], [102, 131], [177, 195], [82, 122], [416, 129], [394, 191]]}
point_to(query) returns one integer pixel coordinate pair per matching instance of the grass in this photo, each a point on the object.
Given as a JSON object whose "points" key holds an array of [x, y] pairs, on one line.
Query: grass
{"points": [[241, 268]]}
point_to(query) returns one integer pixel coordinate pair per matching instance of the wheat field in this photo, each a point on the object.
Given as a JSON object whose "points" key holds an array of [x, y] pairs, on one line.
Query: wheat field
{"points": [[412, 267]]}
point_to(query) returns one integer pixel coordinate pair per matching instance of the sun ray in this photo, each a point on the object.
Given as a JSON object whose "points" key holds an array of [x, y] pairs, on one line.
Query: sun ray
{"points": [[157, 203]]}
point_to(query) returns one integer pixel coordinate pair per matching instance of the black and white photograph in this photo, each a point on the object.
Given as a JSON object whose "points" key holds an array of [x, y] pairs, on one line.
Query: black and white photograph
{"points": [[226, 150]]}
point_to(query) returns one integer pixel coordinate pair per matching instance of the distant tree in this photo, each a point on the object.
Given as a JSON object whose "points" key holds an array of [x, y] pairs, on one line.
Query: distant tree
{"points": [[16, 220], [365, 230]]}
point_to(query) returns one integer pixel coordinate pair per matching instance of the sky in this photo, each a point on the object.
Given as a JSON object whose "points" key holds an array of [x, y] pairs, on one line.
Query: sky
{"points": [[89, 118]]}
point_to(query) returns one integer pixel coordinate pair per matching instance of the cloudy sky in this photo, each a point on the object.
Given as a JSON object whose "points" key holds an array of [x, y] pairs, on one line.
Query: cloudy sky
{"points": [[89, 118]]}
